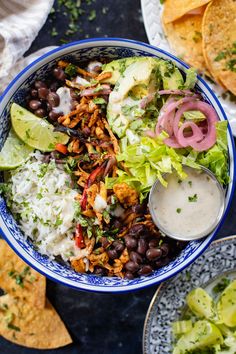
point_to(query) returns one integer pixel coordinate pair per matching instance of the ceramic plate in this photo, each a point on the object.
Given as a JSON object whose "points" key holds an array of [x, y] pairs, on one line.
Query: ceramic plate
{"points": [[152, 10], [165, 307]]}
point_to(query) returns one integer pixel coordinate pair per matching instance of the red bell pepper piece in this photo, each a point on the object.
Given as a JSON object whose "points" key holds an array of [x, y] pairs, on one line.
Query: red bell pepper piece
{"points": [[91, 179], [79, 238], [61, 148]]}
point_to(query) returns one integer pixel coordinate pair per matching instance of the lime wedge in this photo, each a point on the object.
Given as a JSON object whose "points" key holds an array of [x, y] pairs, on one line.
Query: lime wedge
{"points": [[226, 305], [201, 303], [34, 131], [14, 152]]}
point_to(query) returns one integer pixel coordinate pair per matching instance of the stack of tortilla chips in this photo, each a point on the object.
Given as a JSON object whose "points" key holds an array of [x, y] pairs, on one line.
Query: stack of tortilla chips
{"points": [[203, 33], [26, 316]]}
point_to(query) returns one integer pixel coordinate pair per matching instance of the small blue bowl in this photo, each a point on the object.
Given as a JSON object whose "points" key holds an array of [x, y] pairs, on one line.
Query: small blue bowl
{"points": [[111, 48]]}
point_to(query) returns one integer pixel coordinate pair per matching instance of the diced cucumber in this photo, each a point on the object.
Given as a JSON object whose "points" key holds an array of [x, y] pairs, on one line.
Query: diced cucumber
{"points": [[201, 303], [181, 327]]}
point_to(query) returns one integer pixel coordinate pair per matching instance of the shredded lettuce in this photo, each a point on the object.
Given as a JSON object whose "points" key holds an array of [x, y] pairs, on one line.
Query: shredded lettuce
{"points": [[150, 159], [216, 158]]}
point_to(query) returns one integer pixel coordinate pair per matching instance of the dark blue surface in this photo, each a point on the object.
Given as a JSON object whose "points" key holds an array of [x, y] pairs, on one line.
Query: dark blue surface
{"points": [[100, 323]]}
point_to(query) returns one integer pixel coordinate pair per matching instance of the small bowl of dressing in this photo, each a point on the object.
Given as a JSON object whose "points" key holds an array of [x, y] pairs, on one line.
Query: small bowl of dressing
{"points": [[187, 209]]}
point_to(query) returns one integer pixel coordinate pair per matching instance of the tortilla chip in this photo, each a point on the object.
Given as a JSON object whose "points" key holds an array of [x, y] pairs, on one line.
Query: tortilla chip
{"points": [[20, 280], [174, 9], [185, 38], [219, 42], [31, 327]]}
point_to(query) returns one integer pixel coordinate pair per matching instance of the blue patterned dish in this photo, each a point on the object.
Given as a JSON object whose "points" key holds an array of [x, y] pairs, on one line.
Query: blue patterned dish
{"points": [[170, 298], [86, 50]]}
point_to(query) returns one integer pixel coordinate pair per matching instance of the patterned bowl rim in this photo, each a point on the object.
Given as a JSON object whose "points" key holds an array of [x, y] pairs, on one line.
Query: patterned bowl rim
{"points": [[158, 291], [129, 44]]}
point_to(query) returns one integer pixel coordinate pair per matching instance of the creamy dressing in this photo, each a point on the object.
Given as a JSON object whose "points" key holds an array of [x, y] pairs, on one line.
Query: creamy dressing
{"points": [[65, 101], [187, 209]]}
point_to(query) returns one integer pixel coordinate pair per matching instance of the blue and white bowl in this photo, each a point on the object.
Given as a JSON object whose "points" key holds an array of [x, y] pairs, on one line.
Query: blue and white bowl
{"points": [[82, 51]]}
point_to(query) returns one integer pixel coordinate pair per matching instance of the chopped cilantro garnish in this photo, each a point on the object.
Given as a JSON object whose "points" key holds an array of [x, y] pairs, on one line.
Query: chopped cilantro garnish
{"points": [[71, 70], [220, 56], [19, 280], [193, 198], [99, 100], [219, 287], [92, 15], [178, 210], [197, 36], [54, 32], [59, 221], [15, 328], [231, 65]]}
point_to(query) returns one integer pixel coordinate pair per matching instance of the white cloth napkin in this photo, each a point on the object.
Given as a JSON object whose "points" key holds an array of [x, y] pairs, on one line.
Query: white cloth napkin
{"points": [[20, 22]]}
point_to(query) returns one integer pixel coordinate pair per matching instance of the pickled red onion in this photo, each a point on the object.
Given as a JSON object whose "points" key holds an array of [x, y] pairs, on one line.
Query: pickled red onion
{"points": [[196, 136], [203, 136]]}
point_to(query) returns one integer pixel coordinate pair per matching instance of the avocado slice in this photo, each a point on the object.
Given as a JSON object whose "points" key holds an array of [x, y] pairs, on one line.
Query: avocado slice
{"points": [[171, 76], [138, 73], [135, 78], [117, 67]]}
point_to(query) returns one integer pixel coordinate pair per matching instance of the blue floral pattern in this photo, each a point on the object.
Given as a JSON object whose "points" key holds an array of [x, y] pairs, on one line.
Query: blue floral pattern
{"points": [[16, 92]]}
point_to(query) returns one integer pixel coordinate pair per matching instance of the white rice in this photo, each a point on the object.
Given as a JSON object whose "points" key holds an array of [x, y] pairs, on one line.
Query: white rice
{"points": [[43, 201]]}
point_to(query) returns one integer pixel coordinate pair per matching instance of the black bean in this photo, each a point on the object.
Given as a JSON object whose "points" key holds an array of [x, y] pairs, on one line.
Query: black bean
{"points": [[165, 249], [104, 241], [137, 229], [35, 104], [130, 242], [43, 92], [40, 112], [153, 243], [100, 271], [59, 74], [39, 84], [153, 254], [53, 116], [53, 99], [135, 257], [159, 263], [34, 93], [131, 266], [145, 270], [54, 86], [49, 107], [119, 246], [112, 254], [165, 261], [129, 275], [142, 246]]}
